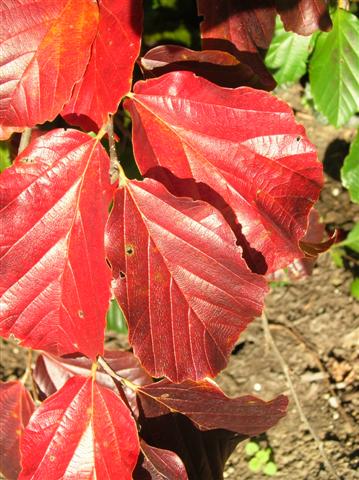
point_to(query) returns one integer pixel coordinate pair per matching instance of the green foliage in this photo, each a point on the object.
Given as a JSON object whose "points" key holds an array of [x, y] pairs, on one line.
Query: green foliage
{"points": [[352, 240], [288, 54], [5, 160], [251, 448], [334, 69], [354, 288], [115, 319], [180, 35], [350, 171], [261, 460]]}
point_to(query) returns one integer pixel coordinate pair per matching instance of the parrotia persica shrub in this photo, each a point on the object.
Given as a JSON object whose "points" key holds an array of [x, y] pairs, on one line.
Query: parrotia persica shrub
{"points": [[229, 180]]}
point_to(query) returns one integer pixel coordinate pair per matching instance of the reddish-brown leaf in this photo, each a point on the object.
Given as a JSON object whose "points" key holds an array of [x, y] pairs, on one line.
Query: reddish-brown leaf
{"points": [[82, 431], [16, 408], [209, 408], [240, 28], [244, 147], [54, 286], [217, 66], [44, 49], [247, 25], [109, 73], [304, 16], [158, 464], [185, 290], [51, 373]]}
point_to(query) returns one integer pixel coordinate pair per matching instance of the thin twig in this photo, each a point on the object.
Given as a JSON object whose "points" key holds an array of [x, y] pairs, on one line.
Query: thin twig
{"points": [[28, 373], [304, 419], [109, 370], [298, 337], [25, 139]]}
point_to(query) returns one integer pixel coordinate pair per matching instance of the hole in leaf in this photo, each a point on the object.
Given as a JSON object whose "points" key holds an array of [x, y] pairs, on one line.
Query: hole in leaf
{"points": [[27, 160], [81, 314], [299, 138], [129, 249], [122, 275]]}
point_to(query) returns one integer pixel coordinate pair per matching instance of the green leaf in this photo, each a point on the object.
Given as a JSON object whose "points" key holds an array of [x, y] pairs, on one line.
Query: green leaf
{"points": [[270, 469], [116, 319], [5, 160], [334, 69], [354, 288], [352, 240], [251, 448], [287, 55], [337, 256], [350, 170], [263, 456], [255, 465]]}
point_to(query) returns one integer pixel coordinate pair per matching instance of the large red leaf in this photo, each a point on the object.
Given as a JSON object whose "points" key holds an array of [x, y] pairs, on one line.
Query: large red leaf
{"points": [[182, 283], [209, 408], [245, 145], [54, 286], [109, 73], [51, 373], [44, 49], [82, 431], [16, 408]]}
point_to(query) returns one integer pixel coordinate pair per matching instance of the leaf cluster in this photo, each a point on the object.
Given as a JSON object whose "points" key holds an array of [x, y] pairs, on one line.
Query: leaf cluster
{"points": [[228, 183]]}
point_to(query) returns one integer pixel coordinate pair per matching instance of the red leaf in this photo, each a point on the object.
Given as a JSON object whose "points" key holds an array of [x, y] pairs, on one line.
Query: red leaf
{"points": [[217, 66], [55, 281], [159, 464], [82, 431], [16, 408], [109, 73], [304, 16], [209, 408], [51, 373], [247, 25], [240, 28], [182, 283], [242, 143], [45, 47]]}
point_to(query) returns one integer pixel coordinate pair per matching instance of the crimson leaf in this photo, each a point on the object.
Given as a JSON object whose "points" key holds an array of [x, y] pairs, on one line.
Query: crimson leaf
{"points": [[180, 279], [55, 282], [82, 431], [45, 46], [16, 408], [209, 408], [109, 72], [245, 145]]}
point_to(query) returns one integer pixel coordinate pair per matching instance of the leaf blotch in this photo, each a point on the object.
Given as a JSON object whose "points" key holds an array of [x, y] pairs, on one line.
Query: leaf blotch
{"points": [[129, 249]]}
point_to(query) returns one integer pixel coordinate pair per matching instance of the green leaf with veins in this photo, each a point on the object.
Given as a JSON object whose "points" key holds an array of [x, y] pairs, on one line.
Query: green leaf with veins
{"points": [[334, 69], [350, 170], [287, 55]]}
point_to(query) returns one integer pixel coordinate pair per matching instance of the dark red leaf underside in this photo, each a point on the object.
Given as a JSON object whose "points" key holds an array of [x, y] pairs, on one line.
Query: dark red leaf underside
{"points": [[252, 160], [109, 73], [216, 66], [82, 431], [180, 279], [16, 408], [203, 453], [304, 16], [240, 28], [54, 286], [51, 373], [45, 46], [209, 408], [159, 464]]}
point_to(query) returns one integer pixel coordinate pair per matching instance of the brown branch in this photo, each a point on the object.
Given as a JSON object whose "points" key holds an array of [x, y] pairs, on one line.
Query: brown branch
{"points": [[25, 139], [304, 419]]}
